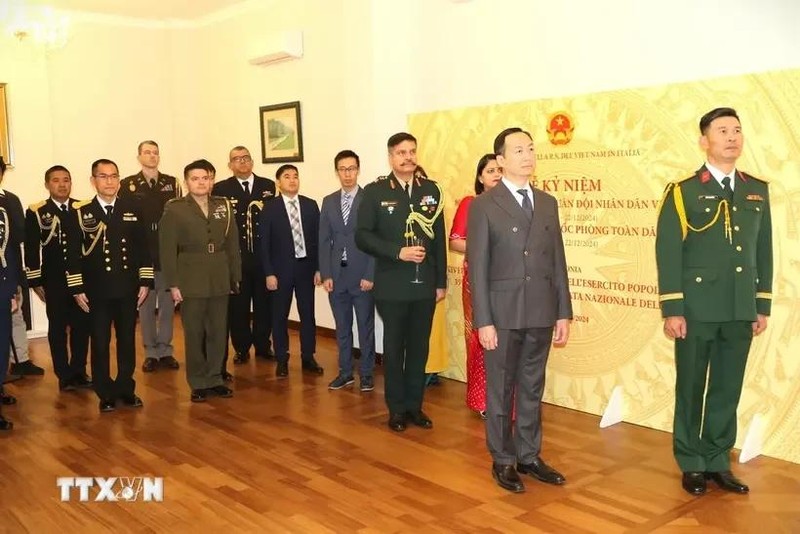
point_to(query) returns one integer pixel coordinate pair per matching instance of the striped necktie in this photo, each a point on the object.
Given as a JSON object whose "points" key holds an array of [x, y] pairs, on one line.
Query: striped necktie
{"points": [[347, 203], [297, 233]]}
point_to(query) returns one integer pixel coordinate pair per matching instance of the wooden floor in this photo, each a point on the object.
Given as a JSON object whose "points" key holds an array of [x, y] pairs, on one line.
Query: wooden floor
{"points": [[291, 456]]}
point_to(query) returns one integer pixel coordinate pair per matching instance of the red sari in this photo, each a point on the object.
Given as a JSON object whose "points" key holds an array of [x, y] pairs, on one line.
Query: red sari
{"points": [[476, 370]]}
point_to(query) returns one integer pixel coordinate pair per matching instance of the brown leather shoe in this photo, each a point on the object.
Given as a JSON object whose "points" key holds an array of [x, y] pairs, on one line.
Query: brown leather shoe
{"points": [[149, 365], [541, 471], [169, 362], [694, 482], [507, 478], [728, 481]]}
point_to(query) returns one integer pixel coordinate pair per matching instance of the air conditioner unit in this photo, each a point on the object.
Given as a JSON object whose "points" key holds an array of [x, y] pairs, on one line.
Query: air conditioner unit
{"points": [[283, 47]]}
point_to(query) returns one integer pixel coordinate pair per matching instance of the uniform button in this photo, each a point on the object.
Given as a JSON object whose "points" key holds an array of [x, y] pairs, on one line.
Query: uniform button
{"points": [[64, 250], [736, 227], [734, 208], [698, 279], [125, 267], [739, 248], [708, 210], [108, 267], [527, 278], [108, 260], [758, 208], [122, 240], [123, 249], [738, 269], [525, 253], [124, 258], [514, 229]]}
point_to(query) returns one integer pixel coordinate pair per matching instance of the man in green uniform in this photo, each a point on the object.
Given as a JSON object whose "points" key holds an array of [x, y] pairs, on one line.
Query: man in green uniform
{"points": [[199, 249], [400, 224], [714, 257]]}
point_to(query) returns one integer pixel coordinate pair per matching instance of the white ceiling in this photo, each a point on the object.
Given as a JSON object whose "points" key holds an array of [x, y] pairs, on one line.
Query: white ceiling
{"points": [[141, 9]]}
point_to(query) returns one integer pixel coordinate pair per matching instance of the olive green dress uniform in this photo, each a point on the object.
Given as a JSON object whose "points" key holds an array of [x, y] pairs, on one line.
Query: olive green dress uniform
{"points": [[406, 308], [200, 256], [714, 257]]}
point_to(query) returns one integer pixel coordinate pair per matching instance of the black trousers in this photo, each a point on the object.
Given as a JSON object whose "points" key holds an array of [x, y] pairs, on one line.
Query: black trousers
{"points": [[67, 324], [406, 338], [252, 289], [121, 312], [300, 283]]}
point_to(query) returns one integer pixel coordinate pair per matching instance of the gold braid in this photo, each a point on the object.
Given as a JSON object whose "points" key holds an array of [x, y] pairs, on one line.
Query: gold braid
{"points": [[425, 223], [4, 244], [249, 222], [722, 208]]}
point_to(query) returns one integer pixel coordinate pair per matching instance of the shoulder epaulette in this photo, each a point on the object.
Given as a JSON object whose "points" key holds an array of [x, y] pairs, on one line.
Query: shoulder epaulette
{"points": [[380, 178], [36, 205], [81, 203], [170, 201], [749, 176]]}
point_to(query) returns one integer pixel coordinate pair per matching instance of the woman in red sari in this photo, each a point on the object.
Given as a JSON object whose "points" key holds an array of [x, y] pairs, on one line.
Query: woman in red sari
{"points": [[487, 176]]}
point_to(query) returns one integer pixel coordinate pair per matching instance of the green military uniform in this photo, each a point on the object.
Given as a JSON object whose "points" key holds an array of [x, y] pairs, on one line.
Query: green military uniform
{"points": [[200, 256], [714, 257], [385, 221]]}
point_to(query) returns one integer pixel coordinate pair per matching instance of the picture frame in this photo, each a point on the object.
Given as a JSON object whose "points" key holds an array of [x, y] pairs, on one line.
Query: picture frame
{"points": [[6, 148], [281, 133]]}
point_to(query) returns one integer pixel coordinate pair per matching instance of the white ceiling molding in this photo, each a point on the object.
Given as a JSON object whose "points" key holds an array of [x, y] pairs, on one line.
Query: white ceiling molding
{"points": [[134, 22]]}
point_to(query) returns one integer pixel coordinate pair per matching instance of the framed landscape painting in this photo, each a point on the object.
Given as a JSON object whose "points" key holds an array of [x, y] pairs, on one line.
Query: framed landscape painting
{"points": [[281, 133], [5, 134]]}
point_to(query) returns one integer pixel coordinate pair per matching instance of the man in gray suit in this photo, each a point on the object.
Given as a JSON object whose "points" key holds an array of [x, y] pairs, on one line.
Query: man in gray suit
{"points": [[521, 303], [347, 273]]}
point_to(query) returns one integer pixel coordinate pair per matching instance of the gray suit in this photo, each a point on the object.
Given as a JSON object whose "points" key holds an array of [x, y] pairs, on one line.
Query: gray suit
{"points": [[518, 277], [334, 238]]}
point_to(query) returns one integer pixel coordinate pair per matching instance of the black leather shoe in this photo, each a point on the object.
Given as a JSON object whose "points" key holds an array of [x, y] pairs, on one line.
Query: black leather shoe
{"points": [[221, 391], [397, 422], [26, 368], [66, 385], [227, 377], [107, 406], [7, 400], [268, 354], [419, 419], [694, 482], [728, 481], [5, 424], [149, 365], [507, 478], [313, 367], [241, 357], [282, 370], [541, 471], [83, 382], [169, 362], [198, 395], [132, 402]]}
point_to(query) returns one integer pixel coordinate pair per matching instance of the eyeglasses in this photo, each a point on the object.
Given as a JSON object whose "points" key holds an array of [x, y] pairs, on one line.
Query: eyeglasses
{"points": [[242, 159], [106, 176], [345, 170]]}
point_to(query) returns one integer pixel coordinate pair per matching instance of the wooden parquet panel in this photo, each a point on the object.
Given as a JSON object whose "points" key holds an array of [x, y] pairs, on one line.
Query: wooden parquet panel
{"points": [[291, 456]]}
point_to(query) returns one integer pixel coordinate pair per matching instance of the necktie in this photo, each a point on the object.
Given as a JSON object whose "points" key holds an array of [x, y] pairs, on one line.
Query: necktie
{"points": [[64, 209], [346, 205], [407, 189], [246, 186], [109, 211], [527, 207], [297, 234], [726, 188], [152, 182]]}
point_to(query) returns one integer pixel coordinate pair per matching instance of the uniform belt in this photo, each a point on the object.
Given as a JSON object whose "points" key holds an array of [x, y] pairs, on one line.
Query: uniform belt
{"points": [[210, 248]]}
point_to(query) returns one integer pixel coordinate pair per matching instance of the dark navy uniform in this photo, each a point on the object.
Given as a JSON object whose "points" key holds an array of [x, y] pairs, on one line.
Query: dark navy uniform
{"points": [[247, 211], [46, 261], [108, 259], [10, 270]]}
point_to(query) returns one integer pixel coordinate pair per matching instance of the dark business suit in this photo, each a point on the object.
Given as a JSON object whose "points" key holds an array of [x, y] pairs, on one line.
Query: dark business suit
{"points": [[518, 277], [295, 275], [247, 211], [108, 259], [46, 260], [347, 269]]}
